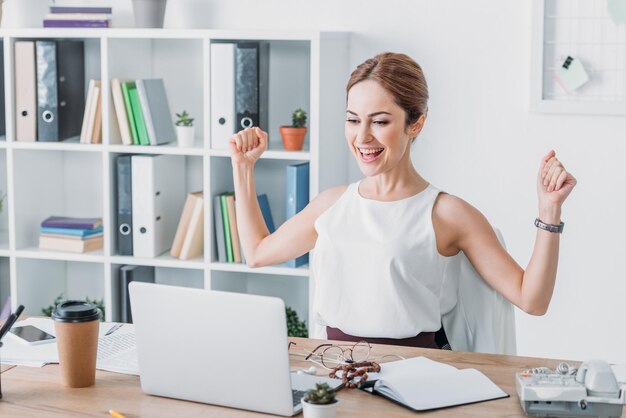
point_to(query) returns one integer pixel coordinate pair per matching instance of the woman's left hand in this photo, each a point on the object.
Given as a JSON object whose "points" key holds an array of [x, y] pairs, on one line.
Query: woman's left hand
{"points": [[554, 183]]}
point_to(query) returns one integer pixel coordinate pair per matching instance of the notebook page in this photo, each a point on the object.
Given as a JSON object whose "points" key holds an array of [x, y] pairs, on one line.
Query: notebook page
{"points": [[424, 384]]}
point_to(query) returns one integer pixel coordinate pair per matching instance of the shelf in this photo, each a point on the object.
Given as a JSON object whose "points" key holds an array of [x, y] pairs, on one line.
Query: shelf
{"points": [[269, 155], [67, 145], [164, 260], [38, 254], [171, 148], [278, 269]]}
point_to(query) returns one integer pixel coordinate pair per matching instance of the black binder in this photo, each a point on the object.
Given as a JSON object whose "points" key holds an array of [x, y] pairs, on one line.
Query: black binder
{"points": [[124, 205], [251, 85], [60, 89], [131, 274]]}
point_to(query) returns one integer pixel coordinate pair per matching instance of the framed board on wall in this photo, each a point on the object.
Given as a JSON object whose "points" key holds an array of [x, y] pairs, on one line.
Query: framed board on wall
{"points": [[591, 33]]}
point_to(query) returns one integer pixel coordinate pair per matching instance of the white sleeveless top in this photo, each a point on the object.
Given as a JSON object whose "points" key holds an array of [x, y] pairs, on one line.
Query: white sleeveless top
{"points": [[376, 268]]}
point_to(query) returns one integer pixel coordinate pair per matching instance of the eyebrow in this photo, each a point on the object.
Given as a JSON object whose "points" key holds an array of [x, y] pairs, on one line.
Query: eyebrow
{"points": [[371, 114]]}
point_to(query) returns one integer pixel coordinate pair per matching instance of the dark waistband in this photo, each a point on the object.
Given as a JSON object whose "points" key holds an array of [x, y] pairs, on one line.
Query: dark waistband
{"points": [[423, 339]]}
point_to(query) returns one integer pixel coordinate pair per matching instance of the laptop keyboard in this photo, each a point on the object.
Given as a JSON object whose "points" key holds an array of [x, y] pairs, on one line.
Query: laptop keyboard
{"points": [[297, 396]]}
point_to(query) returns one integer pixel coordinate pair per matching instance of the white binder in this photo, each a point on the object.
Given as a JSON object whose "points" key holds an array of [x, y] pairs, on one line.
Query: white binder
{"points": [[25, 95], [222, 94], [158, 189]]}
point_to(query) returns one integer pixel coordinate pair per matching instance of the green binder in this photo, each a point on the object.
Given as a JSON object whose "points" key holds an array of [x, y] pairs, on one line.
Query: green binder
{"points": [[142, 131], [229, 242], [126, 86]]}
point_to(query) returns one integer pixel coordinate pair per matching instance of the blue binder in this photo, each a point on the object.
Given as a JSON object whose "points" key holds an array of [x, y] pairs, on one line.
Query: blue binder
{"points": [[297, 198]]}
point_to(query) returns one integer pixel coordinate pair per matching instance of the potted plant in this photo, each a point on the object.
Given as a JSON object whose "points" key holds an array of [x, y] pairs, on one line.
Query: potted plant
{"points": [[295, 327], [320, 402], [184, 129], [293, 136]]}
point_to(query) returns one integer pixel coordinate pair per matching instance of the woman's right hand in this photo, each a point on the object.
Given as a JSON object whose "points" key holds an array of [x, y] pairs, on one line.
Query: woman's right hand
{"points": [[246, 146]]}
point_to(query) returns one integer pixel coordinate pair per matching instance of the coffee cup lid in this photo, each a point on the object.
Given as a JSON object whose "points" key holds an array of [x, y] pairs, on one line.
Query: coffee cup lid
{"points": [[76, 311]]}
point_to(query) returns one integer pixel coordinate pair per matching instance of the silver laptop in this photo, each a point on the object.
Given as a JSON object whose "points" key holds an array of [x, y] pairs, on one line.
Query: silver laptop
{"points": [[218, 348]]}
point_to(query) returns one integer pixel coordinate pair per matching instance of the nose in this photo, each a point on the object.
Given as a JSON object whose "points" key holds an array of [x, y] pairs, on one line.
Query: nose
{"points": [[364, 134]]}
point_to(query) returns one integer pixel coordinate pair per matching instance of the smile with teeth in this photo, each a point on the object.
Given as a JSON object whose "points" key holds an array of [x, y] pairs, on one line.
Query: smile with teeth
{"points": [[370, 154]]}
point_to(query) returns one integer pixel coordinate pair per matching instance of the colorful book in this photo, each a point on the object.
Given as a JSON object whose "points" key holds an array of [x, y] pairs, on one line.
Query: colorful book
{"points": [[193, 244], [126, 86], [297, 198], [234, 232], [218, 223], [120, 112], [267, 214], [226, 226], [71, 231], [78, 16], [70, 222], [140, 123], [76, 237], [80, 9], [71, 245], [54, 23]]}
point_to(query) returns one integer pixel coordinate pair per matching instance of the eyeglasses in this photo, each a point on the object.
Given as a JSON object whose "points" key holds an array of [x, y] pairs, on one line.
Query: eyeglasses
{"points": [[330, 356]]}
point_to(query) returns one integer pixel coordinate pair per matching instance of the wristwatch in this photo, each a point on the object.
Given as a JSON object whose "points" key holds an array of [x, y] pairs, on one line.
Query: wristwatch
{"points": [[549, 227]]}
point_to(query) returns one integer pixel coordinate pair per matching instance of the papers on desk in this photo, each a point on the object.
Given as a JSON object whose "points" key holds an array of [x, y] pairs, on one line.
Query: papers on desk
{"points": [[116, 352], [422, 384]]}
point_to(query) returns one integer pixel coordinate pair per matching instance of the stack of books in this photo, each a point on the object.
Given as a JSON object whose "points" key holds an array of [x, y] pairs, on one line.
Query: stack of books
{"points": [[229, 249], [189, 239], [143, 112], [78, 17], [76, 235]]}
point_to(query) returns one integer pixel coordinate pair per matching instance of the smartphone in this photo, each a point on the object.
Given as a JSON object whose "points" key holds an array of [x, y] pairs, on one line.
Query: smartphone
{"points": [[31, 335]]}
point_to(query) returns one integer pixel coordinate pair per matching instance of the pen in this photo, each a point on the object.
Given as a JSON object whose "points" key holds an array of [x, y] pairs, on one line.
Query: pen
{"points": [[11, 320], [113, 329], [116, 414]]}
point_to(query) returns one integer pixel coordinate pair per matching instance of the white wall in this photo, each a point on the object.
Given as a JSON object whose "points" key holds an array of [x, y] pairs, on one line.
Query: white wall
{"points": [[482, 144]]}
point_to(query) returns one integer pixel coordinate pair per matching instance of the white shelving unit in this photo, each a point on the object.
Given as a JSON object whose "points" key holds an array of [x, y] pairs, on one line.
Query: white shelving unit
{"points": [[307, 69]]}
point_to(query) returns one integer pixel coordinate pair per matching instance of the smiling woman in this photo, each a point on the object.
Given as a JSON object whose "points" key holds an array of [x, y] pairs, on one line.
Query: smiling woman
{"points": [[382, 244]]}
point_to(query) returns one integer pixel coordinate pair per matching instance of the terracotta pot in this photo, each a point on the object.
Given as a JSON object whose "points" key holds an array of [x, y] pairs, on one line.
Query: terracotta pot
{"points": [[293, 138]]}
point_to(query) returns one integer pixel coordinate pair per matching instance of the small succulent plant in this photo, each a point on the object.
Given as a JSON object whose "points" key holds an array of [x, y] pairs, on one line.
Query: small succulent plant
{"points": [[184, 119], [298, 118], [321, 395]]}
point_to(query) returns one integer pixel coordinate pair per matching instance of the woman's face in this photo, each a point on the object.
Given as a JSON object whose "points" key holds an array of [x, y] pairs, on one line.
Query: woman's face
{"points": [[375, 128]]}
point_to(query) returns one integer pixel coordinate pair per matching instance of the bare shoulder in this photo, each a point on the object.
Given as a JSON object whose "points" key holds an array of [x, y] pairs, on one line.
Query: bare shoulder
{"points": [[453, 220], [452, 210]]}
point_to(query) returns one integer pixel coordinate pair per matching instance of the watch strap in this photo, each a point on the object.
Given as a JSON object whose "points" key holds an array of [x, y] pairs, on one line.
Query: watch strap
{"points": [[549, 227]]}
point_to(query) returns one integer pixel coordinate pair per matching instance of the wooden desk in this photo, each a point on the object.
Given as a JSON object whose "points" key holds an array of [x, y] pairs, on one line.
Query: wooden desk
{"points": [[36, 392]]}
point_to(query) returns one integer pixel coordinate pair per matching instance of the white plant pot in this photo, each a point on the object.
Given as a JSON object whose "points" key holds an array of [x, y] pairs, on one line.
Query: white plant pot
{"points": [[185, 136], [24, 13], [149, 13], [311, 410]]}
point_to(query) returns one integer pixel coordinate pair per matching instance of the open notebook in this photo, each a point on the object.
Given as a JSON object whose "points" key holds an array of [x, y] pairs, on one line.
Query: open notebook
{"points": [[422, 384]]}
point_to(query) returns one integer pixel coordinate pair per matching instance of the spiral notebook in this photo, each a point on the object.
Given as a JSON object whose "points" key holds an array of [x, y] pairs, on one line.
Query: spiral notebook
{"points": [[422, 384]]}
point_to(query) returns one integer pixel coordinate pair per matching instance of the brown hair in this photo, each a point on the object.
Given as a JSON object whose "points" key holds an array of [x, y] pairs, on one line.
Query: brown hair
{"points": [[401, 76]]}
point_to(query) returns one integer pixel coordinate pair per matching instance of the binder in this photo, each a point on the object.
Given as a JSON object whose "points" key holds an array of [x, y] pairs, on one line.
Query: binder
{"points": [[158, 196], [131, 274], [156, 111], [25, 86], [60, 89], [297, 198], [239, 89], [251, 85], [124, 205], [222, 94]]}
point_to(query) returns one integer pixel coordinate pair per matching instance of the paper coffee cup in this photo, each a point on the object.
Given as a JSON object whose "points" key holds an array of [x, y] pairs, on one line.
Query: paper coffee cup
{"points": [[77, 324]]}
